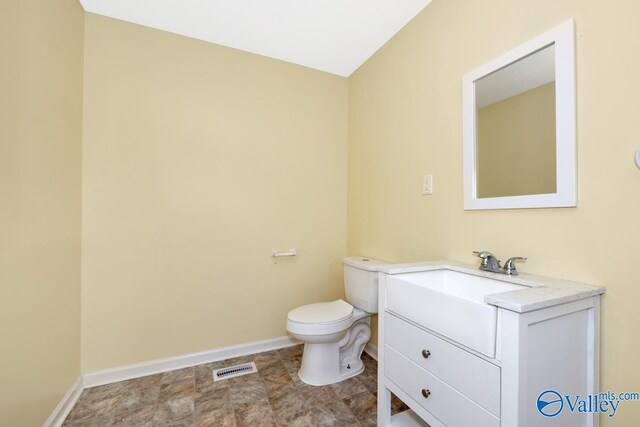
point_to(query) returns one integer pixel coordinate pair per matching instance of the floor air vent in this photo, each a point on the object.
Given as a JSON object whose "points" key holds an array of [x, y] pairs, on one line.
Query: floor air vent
{"points": [[234, 371]]}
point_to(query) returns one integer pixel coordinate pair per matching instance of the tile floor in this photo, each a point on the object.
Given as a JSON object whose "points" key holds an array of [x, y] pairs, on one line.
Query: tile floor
{"points": [[274, 396]]}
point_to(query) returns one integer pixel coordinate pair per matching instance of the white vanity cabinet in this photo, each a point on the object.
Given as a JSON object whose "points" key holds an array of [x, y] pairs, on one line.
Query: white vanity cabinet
{"points": [[465, 348]]}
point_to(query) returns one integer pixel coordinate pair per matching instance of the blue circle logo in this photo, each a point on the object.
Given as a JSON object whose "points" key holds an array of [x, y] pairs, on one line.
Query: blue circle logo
{"points": [[550, 403]]}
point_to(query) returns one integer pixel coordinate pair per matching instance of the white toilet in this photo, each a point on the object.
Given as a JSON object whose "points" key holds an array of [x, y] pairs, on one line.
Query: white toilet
{"points": [[335, 333]]}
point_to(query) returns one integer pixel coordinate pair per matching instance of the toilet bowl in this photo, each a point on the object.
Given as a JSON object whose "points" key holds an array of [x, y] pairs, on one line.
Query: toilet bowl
{"points": [[335, 333]]}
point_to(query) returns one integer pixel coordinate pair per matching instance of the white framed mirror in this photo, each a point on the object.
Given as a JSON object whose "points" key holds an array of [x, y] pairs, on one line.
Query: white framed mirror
{"points": [[519, 147]]}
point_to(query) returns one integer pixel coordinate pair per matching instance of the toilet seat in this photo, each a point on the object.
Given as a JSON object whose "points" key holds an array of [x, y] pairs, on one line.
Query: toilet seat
{"points": [[323, 312], [322, 318]]}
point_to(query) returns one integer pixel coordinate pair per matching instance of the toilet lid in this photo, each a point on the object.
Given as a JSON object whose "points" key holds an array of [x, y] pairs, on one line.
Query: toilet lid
{"points": [[323, 312]]}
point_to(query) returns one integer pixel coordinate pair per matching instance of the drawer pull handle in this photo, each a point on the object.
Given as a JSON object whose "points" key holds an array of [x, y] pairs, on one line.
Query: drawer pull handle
{"points": [[426, 354], [426, 393]]}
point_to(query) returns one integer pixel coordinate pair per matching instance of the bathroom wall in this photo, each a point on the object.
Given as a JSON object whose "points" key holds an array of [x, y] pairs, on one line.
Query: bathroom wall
{"points": [[40, 170], [517, 144], [405, 120], [198, 160]]}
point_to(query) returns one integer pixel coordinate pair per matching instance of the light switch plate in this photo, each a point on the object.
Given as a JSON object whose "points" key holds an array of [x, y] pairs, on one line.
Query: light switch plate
{"points": [[427, 184]]}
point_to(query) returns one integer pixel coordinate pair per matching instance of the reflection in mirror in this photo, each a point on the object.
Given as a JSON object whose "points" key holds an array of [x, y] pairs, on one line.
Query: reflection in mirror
{"points": [[516, 128]]}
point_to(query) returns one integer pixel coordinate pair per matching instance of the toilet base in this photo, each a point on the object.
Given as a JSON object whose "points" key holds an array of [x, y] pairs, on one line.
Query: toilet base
{"points": [[329, 363], [344, 375]]}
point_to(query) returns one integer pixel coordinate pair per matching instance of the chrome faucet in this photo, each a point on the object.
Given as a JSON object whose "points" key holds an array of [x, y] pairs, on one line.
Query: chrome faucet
{"points": [[489, 261], [492, 264]]}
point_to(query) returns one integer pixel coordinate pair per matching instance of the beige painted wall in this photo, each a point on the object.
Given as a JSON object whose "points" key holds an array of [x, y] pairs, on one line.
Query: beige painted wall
{"points": [[516, 140], [40, 160], [198, 160], [405, 109]]}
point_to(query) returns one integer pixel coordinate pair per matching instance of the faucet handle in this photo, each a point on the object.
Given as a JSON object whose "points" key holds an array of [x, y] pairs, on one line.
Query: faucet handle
{"points": [[484, 255], [510, 265]]}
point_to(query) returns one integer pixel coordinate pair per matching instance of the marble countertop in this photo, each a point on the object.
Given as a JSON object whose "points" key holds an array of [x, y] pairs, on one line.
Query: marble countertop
{"points": [[541, 291]]}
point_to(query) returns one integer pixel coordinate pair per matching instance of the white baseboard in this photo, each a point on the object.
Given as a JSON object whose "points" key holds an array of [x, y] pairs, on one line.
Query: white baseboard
{"points": [[59, 414], [108, 376], [372, 350]]}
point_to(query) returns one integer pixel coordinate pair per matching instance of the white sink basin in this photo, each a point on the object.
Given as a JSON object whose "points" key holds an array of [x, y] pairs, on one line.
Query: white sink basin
{"points": [[449, 303]]}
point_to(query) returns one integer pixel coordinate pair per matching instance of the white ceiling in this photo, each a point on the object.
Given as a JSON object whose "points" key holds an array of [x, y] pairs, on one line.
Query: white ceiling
{"points": [[336, 36]]}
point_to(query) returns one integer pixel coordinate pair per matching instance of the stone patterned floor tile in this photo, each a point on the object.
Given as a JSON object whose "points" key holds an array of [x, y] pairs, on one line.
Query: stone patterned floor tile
{"points": [[221, 417], [177, 390], [243, 380], [369, 422], [347, 388], [137, 398], [315, 396], [238, 360], [213, 401], [370, 383], [288, 406], [254, 414], [138, 415], [104, 392], [277, 385], [206, 370], [397, 405], [174, 410], [293, 363], [177, 375], [247, 392], [92, 407], [362, 405], [267, 359], [207, 385], [142, 382], [187, 422], [290, 351], [93, 422], [302, 420], [333, 414], [275, 396], [273, 370]]}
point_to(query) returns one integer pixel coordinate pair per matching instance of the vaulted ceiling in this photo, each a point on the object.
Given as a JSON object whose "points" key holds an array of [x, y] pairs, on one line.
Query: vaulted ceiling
{"points": [[336, 36]]}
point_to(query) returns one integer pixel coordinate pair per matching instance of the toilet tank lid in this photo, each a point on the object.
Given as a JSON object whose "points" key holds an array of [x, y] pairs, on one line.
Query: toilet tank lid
{"points": [[363, 262]]}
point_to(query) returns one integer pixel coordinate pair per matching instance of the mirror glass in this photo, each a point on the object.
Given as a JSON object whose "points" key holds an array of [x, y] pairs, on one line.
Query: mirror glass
{"points": [[518, 117], [516, 128]]}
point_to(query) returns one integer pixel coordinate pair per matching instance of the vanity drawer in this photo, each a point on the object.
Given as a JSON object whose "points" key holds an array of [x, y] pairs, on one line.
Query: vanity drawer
{"points": [[472, 376], [443, 402]]}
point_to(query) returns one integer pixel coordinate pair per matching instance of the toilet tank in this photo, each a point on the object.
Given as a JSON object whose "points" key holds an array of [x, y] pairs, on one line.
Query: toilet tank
{"points": [[361, 282]]}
